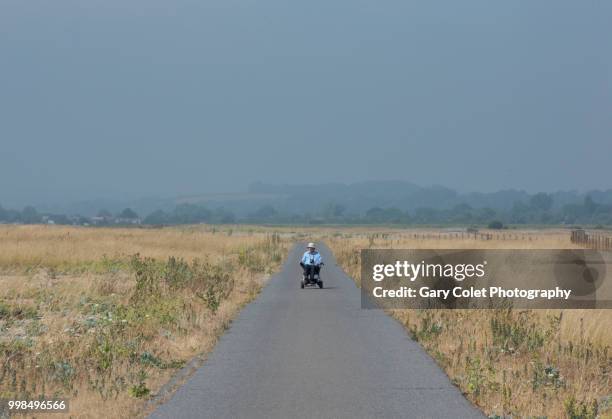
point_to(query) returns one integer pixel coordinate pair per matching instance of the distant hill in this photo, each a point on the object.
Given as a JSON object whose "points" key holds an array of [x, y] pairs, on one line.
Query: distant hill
{"points": [[354, 199], [359, 197]]}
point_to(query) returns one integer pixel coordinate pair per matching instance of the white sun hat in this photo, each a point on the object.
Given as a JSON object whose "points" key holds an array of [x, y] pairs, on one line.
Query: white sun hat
{"points": [[311, 244]]}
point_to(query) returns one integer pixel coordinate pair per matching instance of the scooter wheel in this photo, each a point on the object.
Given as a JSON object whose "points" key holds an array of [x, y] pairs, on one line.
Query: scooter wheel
{"points": [[302, 284], [320, 284]]}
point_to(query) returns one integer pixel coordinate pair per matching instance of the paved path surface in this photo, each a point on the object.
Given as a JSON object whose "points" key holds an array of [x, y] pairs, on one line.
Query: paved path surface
{"points": [[316, 354]]}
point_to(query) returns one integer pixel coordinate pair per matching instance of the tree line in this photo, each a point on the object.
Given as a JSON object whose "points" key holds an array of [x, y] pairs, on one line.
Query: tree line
{"points": [[537, 210]]}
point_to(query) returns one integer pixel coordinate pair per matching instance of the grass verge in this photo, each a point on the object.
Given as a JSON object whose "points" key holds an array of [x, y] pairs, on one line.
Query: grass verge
{"points": [[510, 363], [106, 332]]}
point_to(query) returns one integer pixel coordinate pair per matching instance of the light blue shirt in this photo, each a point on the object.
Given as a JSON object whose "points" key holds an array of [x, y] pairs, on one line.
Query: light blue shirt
{"points": [[312, 258]]}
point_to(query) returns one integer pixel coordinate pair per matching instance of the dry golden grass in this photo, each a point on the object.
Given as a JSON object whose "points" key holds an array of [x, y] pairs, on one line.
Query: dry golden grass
{"points": [[64, 248], [70, 324], [532, 380], [74, 322]]}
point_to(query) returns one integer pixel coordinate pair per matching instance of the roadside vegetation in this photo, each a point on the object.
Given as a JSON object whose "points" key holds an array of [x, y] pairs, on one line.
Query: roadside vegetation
{"points": [[104, 317], [510, 363]]}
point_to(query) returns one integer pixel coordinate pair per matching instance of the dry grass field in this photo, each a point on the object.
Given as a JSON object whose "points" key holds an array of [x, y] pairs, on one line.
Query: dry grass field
{"points": [[511, 363], [104, 317]]}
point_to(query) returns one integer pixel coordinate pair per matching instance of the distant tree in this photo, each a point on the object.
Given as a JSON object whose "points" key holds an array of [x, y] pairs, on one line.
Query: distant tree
{"points": [[462, 208], [375, 213], [333, 210], [462, 213], [486, 214], [223, 216], [265, 212], [519, 213], [158, 217], [60, 219], [589, 205], [570, 213], [128, 213], [496, 225], [12, 215], [3, 214], [603, 218], [387, 215], [191, 214], [545, 217], [425, 215], [396, 216], [541, 201], [29, 215], [105, 213]]}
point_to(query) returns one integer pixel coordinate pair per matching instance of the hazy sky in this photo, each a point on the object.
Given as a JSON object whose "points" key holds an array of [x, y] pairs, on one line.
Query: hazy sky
{"points": [[103, 98]]}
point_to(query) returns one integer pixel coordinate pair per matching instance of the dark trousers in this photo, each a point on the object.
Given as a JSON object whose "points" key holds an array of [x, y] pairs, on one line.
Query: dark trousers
{"points": [[310, 268]]}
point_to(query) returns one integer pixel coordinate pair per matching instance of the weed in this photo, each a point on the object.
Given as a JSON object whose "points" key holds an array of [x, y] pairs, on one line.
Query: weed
{"points": [[475, 378], [63, 372], [512, 331], [580, 409], [428, 328], [148, 359], [139, 390], [18, 312]]}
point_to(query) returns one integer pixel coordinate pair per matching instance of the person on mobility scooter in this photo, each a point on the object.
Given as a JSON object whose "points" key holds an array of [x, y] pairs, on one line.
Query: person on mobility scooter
{"points": [[311, 263]]}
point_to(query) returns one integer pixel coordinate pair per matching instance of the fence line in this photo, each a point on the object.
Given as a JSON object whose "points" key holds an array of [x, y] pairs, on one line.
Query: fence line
{"points": [[471, 235], [592, 240], [474, 236]]}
